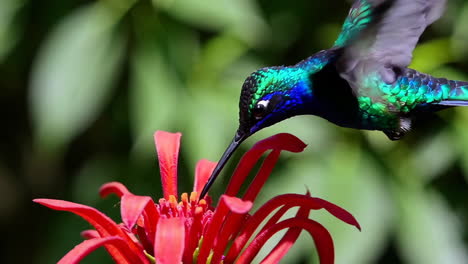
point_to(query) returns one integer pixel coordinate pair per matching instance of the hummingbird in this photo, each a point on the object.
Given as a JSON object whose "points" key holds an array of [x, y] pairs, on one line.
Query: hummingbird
{"points": [[361, 82]]}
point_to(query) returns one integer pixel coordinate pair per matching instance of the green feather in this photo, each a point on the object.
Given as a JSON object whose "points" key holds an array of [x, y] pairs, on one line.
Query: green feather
{"points": [[360, 15]]}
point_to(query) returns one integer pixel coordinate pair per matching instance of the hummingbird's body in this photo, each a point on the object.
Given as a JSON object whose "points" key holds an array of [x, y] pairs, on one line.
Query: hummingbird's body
{"points": [[362, 82], [389, 107]]}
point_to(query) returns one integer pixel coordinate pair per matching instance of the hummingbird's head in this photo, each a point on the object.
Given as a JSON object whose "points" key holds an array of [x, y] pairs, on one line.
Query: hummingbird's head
{"points": [[271, 95], [268, 96]]}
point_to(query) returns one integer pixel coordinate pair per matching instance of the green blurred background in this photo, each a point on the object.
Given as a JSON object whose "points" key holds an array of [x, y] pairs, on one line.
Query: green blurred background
{"points": [[84, 84]]}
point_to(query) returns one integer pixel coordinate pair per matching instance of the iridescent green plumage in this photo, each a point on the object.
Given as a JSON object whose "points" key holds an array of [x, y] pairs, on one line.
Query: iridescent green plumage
{"points": [[411, 92], [268, 79], [360, 15]]}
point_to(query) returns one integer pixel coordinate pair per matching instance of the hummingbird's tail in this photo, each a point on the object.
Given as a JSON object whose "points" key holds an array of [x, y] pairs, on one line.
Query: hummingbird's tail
{"points": [[426, 90], [455, 94]]}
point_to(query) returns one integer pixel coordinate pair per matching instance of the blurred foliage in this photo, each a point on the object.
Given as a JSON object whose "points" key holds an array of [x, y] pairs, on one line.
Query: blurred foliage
{"points": [[86, 83]]}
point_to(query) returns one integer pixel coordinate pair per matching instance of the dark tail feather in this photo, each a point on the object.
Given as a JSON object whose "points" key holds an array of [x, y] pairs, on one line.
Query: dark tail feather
{"points": [[453, 103]]}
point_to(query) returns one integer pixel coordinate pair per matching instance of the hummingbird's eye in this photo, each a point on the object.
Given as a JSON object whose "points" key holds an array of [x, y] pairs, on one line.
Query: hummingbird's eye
{"points": [[260, 109]]}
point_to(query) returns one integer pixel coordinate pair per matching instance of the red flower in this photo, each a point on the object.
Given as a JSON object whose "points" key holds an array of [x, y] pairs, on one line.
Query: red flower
{"points": [[190, 230]]}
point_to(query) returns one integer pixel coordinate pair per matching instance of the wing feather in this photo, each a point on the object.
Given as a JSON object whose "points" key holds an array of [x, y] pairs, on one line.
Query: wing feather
{"points": [[384, 47], [361, 14]]}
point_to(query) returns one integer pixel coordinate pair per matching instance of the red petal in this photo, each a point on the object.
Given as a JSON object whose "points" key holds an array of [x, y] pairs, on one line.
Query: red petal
{"points": [[288, 239], [277, 216], [167, 147], [113, 187], [131, 210], [278, 142], [151, 216], [237, 205], [82, 250], [103, 224], [169, 240], [88, 234], [276, 202], [194, 234], [231, 225], [321, 236], [225, 205], [302, 212], [145, 240], [202, 173], [338, 212], [282, 141], [262, 176], [244, 236], [132, 207]]}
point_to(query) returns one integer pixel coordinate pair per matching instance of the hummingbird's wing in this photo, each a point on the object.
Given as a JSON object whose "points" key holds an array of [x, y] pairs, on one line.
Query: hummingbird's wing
{"points": [[361, 14], [382, 39]]}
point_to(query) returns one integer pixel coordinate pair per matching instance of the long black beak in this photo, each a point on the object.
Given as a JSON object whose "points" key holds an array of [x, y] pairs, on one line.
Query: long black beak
{"points": [[238, 138]]}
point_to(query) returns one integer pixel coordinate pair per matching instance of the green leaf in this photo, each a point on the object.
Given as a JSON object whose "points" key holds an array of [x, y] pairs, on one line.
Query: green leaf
{"points": [[432, 54], [450, 73], [9, 28], [210, 126], [214, 89], [460, 35], [183, 47], [156, 96], [94, 173], [72, 77], [240, 17], [218, 55], [434, 156], [461, 137], [428, 230]]}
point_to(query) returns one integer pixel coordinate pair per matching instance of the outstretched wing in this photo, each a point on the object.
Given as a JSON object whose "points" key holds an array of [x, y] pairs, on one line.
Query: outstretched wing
{"points": [[361, 14], [382, 48]]}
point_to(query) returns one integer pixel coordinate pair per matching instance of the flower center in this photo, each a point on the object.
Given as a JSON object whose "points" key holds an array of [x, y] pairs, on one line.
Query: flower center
{"points": [[187, 207]]}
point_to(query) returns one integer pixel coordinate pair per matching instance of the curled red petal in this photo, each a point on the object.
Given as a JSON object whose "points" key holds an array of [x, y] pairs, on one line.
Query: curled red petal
{"points": [[169, 241], [167, 147], [287, 200], [132, 207], [262, 176], [338, 212], [321, 236], [82, 250], [277, 142], [241, 172], [302, 212], [102, 223], [234, 252], [276, 202], [113, 187], [231, 225], [277, 216], [281, 141], [202, 173], [237, 205], [288, 240], [89, 234], [225, 206]]}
